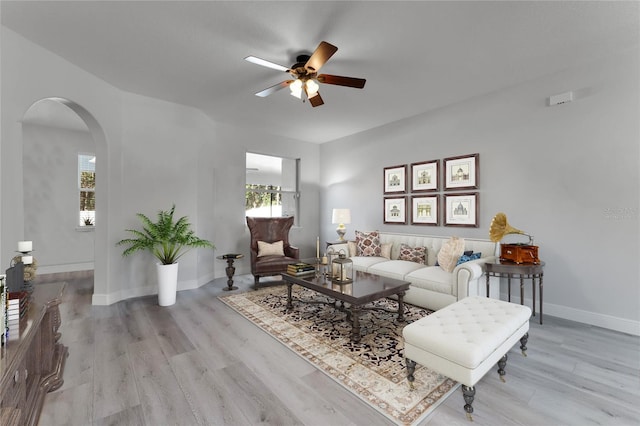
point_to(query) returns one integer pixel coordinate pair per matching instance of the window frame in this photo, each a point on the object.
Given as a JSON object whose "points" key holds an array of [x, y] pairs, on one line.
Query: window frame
{"points": [[294, 193], [80, 189]]}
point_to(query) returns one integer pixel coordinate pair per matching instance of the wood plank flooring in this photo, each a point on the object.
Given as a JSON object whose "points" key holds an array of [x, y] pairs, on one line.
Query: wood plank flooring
{"points": [[200, 363]]}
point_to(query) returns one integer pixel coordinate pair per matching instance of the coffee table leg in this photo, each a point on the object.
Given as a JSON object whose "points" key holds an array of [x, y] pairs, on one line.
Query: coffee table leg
{"points": [[401, 306], [355, 323], [289, 304]]}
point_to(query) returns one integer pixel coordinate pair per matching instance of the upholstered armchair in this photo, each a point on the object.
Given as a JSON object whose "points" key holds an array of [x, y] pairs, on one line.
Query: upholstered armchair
{"points": [[270, 248]]}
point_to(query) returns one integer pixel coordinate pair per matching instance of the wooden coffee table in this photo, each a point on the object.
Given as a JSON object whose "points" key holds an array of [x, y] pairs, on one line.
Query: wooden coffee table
{"points": [[366, 288]]}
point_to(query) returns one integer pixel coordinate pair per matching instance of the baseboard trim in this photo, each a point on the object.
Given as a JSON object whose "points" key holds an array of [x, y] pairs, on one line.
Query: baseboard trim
{"points": [[610, 322]]}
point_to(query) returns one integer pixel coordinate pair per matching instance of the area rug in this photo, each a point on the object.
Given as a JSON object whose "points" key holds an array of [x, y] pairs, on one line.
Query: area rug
{"points": [[373, 369]]}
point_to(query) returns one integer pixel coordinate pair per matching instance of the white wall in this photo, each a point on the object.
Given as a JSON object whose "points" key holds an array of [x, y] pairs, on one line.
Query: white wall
{"points": [[561, 173], [150, 155]]}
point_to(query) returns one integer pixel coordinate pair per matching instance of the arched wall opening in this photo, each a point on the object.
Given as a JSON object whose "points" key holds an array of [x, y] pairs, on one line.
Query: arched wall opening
{"points": [[54, 132]]}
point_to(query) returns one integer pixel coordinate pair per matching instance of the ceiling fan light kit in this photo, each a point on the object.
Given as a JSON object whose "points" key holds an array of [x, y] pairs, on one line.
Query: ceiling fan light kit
{"points": [[305, 75]]}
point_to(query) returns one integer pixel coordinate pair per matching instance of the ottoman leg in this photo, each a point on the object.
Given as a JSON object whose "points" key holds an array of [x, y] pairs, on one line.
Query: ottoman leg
{"points": [[523, 343], [501, 364], [468, 392], [411, 367]]}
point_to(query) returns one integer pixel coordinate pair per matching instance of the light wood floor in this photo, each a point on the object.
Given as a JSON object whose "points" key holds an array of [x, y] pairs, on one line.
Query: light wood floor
{"points": [[198, 362]]}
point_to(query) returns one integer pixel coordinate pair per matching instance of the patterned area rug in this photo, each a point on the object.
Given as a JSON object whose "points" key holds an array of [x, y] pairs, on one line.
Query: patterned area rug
{"points": [[373, 369]]}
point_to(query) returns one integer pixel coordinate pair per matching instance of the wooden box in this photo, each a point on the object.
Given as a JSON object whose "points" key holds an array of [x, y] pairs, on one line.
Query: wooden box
{"points": [[519, 253]]}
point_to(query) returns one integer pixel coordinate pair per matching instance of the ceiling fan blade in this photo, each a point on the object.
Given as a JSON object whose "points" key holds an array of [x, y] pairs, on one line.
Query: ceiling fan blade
{"points": [[269, 90], [316, 100], [266, 63], [322, 54], [338, 80]]}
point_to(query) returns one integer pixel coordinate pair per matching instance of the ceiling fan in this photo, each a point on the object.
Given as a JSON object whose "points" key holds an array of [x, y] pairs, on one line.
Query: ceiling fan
{"points": [[305, 75]]}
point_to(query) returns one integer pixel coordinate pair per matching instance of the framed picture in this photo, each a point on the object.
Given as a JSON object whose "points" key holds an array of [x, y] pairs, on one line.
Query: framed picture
{"points": [[424, 176], [424, 210], [395, 210], [395, 180], [461, 209], [461, 172]]}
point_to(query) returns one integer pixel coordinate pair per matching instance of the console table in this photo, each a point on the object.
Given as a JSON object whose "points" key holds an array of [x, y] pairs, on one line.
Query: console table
{"points": [[32, 362], [523, 271]]}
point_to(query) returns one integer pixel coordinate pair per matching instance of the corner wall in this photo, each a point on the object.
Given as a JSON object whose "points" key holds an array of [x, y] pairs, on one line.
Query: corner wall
{"points": [[567, 174]]}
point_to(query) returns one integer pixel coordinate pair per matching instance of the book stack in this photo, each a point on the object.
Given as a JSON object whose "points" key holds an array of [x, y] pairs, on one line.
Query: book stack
{"points": [[300, 268], [17, 310]]}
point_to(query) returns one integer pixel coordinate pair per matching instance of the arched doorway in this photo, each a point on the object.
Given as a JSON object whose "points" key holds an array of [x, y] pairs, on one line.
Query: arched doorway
{"points": [[62, 145]]}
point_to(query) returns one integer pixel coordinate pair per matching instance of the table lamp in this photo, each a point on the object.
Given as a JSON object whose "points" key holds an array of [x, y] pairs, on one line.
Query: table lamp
{"points": [[341, 216]]}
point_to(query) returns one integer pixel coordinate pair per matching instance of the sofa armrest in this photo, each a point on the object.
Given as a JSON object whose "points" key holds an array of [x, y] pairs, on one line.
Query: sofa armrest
{"points": [[293, 252], [466, 277], [337, 247]]}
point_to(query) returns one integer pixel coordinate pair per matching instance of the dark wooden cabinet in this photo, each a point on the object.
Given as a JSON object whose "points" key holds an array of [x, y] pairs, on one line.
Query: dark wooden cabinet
{"points": [[32, 361]]}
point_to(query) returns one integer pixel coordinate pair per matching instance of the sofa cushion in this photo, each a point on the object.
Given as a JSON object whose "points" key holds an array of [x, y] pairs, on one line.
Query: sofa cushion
{"points": [[270, 249], [386, 250], [353, 248], [432, 278], [413, 254], [450, 252], [394, 268], [363, 263], [368, 243]]}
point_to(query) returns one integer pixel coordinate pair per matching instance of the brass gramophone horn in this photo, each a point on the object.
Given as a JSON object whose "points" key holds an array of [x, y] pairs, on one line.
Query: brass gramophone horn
{"points": [[500, 227]]}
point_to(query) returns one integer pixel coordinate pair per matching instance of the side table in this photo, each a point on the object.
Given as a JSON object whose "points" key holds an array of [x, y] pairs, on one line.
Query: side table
{"points": [[509, 270], [230, 269]]}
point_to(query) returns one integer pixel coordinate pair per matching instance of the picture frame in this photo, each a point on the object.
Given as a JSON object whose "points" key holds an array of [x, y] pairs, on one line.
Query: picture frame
{"points": [[461, 172], [395, 180], [425, 210], [395, 210], [424, 176], [461, 209]]}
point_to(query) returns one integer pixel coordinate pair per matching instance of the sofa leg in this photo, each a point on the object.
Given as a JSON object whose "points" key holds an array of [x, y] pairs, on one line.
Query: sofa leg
{"points": [[411, 368], [501, 364], [256, 279], [523, 343], [468, 393]]}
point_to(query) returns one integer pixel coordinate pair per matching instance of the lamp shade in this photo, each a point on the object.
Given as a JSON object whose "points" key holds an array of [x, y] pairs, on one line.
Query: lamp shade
{"points": [[341, 216]]}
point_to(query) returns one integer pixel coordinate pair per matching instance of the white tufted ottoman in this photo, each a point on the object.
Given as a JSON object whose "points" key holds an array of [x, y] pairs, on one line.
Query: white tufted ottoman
{"points": [[463, 340]]}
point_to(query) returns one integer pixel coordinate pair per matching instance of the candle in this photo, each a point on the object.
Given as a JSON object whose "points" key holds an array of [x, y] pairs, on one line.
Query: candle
{"points": [[317, 247], [25, 246], [27, 260]]}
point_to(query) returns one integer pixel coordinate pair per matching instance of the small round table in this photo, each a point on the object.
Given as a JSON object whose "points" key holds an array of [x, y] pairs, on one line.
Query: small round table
{"points": [[230, 269], [504, 269]]}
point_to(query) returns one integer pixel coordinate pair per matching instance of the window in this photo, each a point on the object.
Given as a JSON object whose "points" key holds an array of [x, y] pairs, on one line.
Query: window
{"points": [[271, 186], [87, 189]]}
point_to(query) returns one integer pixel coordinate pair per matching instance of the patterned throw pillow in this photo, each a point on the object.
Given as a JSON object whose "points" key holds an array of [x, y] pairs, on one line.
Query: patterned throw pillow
{"points": [[413, 254], [270, 249], [450, 252], [467, 257], [368, 243]]}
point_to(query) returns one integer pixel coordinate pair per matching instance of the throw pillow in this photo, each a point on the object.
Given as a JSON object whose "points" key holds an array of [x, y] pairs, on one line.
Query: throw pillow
{"points": [[450, 252], [467, 257], [368, 243], [385, 251], [413, 254], [270, 249]]}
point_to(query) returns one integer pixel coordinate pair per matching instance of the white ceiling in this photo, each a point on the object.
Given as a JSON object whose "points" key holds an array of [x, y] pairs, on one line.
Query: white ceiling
{"points": [[416, 56]]}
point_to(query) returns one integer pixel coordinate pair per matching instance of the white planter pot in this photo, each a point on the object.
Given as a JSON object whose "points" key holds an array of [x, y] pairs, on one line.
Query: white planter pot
{"points": [[167, 283]]}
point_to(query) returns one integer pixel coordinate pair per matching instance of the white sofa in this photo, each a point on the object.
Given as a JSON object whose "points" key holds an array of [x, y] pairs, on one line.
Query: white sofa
{"points": [[431, 286]]}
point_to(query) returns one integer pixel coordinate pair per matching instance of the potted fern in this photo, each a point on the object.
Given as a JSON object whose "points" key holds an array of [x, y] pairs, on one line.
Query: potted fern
{"points": [[168, 240]]}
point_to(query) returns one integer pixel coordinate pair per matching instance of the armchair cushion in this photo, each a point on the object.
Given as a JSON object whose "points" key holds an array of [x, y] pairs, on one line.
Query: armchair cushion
{"points": [[267, 249]]}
